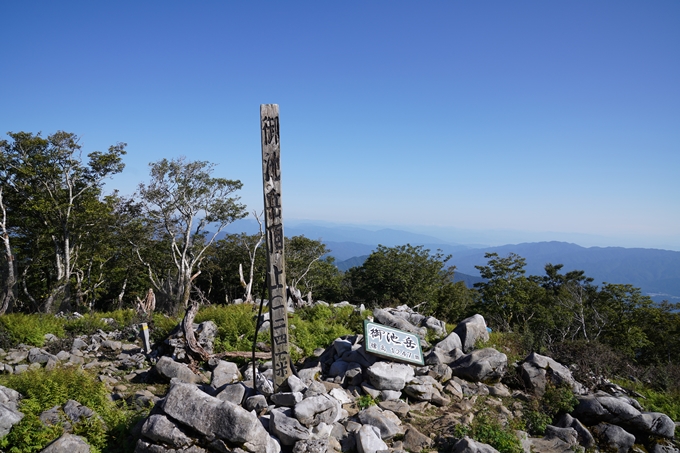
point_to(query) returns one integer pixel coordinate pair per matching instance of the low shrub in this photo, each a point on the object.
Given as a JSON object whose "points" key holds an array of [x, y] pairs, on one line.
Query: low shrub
{"points": [[540, 412], [654, 400], [43, 389], [161, 325], [558, 400], [89, 324], [490, 431], [318, 326], [31, 329], [235, 326]]}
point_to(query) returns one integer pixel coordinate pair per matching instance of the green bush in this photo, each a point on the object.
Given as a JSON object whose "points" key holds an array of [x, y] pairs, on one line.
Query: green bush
{"points": [[535, 422], [89, 324], [318, 326], [43, 389], [161, 325], [558, 400], [235, 326], [31, 329], [667, 402]]}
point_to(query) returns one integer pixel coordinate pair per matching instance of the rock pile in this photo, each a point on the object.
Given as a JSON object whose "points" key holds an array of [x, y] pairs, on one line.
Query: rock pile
{"points": [[345, 399]]}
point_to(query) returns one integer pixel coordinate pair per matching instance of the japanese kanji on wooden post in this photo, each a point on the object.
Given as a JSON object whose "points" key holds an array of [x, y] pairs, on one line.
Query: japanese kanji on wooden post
{"points": [[276, 275]]}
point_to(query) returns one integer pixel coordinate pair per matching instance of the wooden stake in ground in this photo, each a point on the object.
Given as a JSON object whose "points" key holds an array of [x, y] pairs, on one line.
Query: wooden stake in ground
{"points": [[276, 274]]}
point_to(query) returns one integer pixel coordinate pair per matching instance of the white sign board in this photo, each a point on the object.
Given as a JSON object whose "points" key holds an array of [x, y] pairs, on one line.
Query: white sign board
{"points": [[392, 343]]}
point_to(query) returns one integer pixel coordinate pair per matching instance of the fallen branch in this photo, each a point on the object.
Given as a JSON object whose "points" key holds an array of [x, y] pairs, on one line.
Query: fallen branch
{"points": [[244, 354]]}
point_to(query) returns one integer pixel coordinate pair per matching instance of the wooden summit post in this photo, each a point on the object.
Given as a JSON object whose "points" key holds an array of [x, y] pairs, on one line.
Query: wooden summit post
{"points": [[276, 274]]}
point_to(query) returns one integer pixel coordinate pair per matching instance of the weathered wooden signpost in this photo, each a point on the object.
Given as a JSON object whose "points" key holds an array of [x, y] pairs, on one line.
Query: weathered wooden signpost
{"points": [[276, 275]]}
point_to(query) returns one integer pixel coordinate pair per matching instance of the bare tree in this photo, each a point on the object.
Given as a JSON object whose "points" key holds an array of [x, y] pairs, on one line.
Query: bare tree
{"points": [[183, 200], [8, 294], [252, 252]]}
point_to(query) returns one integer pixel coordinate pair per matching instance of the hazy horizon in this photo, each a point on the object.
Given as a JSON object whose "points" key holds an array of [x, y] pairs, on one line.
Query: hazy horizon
{"points": [[477, 238]]}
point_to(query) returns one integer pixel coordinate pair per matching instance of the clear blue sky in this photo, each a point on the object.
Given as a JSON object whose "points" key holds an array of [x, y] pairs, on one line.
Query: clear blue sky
{"points": [[554, 120]]}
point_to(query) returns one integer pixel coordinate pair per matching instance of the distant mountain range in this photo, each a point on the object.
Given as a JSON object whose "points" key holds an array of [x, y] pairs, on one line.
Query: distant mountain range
{"points": [[655, 271]]}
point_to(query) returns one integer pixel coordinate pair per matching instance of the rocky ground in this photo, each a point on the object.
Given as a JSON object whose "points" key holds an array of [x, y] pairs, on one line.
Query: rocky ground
{"points": [[342, 399]]}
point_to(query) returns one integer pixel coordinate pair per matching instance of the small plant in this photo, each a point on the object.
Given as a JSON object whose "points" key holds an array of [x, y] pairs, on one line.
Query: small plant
{"points": [[539, 413], [365, 401], [535, 422], [487, 430], [558, 400]]}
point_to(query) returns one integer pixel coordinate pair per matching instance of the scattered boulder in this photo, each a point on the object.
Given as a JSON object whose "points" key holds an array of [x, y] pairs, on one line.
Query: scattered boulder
{"points": [[471, 330], [9, 417], [415, 441], [383, 316], [224, 373], [160, 429], [368, 440], [467, 445], [614, 437], [584, 437], [317, 409], [287, 428], [481, 365], [385, 421], [170, 369], [389, 375], [9, 397], [538, 370], [213, 417], [593, 409], [68, 443]]}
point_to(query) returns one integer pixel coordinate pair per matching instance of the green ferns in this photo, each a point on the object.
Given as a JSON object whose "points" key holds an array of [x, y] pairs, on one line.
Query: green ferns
{"points": [[43, 390]]}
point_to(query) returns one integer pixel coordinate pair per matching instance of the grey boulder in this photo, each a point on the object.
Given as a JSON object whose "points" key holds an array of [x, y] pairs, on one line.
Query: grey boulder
{"points": [[368, 440], [467, 445], [613, 437], [8, 418], [318, 409], [225, 373], [68, 443], [389, 376], [594, 409], [385, 317], [538, 370], [286, 428], [170, 369], [386, 422], [471, 330], [481, 365], [213, 417], [160, 429]]}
